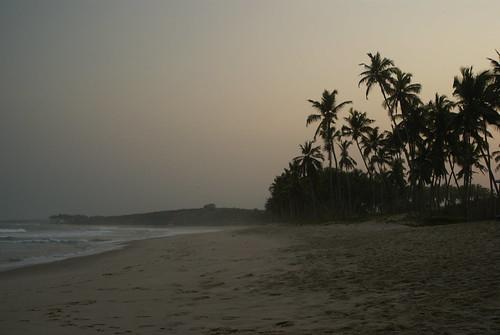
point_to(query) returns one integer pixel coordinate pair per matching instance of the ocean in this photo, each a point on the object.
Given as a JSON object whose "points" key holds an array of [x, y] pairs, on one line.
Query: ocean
{"points": [[36, 242]]}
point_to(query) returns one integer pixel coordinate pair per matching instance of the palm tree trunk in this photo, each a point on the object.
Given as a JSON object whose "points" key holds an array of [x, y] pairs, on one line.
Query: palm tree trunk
{"points": [[432, 190], [337, 177], [334, 154], [363, 157], [447, 189], [438, 196], [468, 172], [368, 170], [405, 151], [330, 148], [452, 168], [487, 159], [330, 173]]}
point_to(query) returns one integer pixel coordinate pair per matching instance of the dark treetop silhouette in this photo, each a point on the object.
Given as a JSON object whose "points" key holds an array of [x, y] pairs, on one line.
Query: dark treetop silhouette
{"points": [[424, 164]]}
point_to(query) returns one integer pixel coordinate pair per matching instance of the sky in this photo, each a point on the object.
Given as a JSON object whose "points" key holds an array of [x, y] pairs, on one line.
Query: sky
{"points": [[119, 106]]}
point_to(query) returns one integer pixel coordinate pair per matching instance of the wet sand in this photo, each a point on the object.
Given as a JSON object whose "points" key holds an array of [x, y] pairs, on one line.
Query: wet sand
{"points": [[369, 278]]}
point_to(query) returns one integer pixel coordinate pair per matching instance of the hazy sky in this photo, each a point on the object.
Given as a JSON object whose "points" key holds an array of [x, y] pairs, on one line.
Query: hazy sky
{"points": [[112, 107]]}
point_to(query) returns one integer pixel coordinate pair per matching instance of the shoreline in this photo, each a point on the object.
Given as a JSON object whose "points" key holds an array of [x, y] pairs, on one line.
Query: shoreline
{"points": [[112, 246], [368, 278]]}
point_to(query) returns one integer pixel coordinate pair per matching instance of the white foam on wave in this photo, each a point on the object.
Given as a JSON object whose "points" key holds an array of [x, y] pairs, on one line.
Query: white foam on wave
{"points": [[54, 243], [12, 230], [11, 239]]}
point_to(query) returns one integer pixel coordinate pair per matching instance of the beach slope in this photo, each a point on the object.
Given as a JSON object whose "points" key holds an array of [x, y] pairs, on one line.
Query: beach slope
{"points": [[368, 278]]}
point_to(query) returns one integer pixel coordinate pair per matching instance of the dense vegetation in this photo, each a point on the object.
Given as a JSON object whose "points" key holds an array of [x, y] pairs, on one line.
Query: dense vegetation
{"points": [[209, 215], [423, 164]]}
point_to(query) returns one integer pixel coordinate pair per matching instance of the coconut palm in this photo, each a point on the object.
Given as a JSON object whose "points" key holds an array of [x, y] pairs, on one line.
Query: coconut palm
{"points": [[346, 162], [440, 119], [378, 72], [357, 125], [402, 92], [327, 110], [476, 101], [469, 158], [454, 146], [396, 173], [381, 158], [335, 136], [371, 141], [309, 163], [495, 64], [496, 155], [441, 141]]}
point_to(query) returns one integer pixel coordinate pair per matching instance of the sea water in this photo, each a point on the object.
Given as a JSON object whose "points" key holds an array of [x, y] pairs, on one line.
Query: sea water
{"points": [[35, 242]]}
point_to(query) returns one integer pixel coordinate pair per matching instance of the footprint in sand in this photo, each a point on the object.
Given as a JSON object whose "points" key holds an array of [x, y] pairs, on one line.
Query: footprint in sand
{"points": [[140, 288], [210, 284], [202, 297], [247, 275], [284, 324]]}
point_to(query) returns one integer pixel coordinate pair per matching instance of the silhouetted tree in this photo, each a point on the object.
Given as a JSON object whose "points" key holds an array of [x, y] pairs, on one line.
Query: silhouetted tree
{"points": [[444, 142], [327, 110], [476, 104], [358, 124], [309, 163]]}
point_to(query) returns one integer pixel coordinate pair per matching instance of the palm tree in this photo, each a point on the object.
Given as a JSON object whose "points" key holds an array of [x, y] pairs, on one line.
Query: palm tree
{"points": [[454, 145], [440, 118], [396, 173], [496, 72], [346, 162], [495, 64], [371, 141], [476, 101], [439, 138], [404, 93], [381, 159], [496, 155], [309, 163], [469, 158], [378, 72], [441, 141], [333, 135], [327, 110], [292, 187], [278, 196], [358, 124]]}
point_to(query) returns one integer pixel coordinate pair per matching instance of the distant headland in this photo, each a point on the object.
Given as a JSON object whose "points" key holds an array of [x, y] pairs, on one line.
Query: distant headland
{"points": [[208, 215]]}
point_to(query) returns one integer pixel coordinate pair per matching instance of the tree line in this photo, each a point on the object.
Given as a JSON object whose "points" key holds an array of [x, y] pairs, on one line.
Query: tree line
{"points": [[423, 164]]}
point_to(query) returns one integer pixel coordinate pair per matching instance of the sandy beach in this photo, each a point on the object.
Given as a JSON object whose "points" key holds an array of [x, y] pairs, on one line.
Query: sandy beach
{"points": [[368, 278]]}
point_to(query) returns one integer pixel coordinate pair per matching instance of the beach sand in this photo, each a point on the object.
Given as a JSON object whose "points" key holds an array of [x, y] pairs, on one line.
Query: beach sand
{"points": [[368, 278]]}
